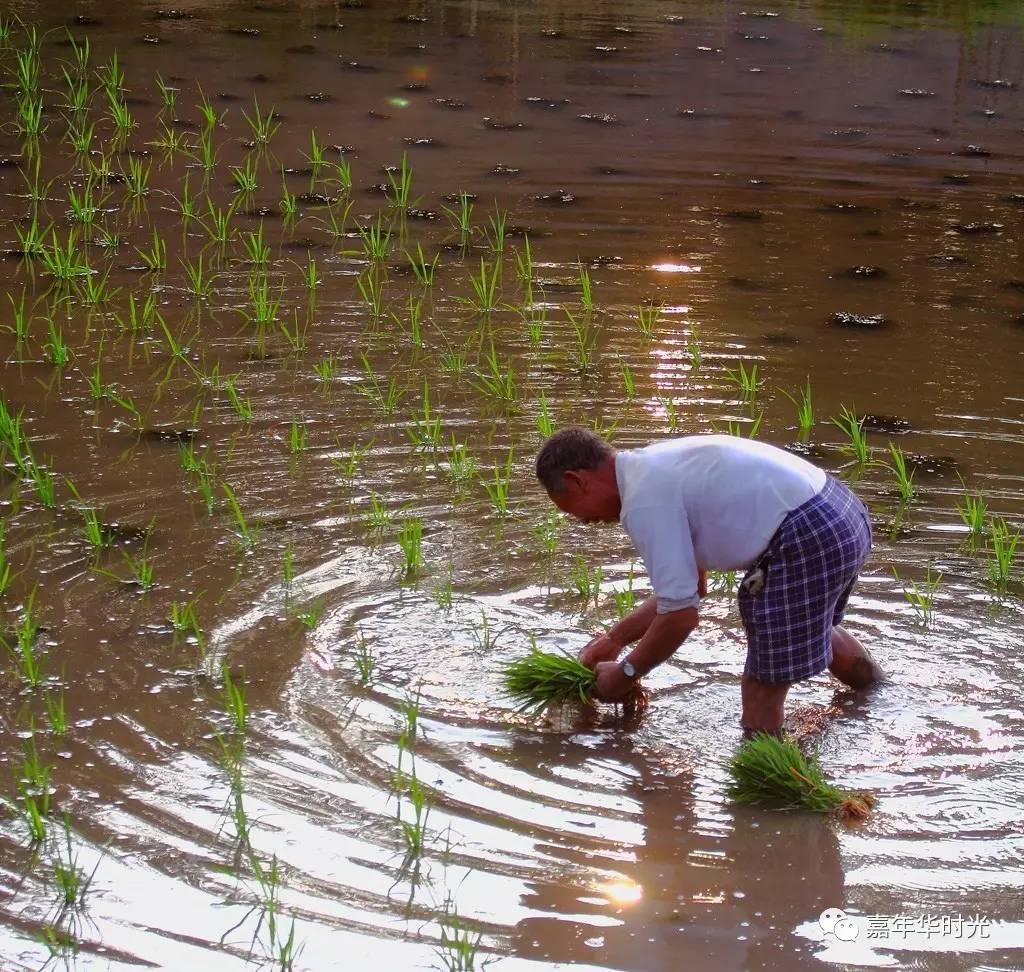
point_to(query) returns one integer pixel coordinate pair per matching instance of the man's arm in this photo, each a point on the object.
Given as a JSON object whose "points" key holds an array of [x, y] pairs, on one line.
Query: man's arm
{"points": [[632, 627], [664, 635]]}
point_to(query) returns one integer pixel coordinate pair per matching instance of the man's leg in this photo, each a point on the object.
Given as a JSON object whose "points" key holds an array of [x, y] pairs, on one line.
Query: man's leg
{"points": [[852, 662], [763, 705]]}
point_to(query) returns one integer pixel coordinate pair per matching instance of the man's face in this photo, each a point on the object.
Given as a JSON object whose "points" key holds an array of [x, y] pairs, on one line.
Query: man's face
{"points": [[588, 497]]}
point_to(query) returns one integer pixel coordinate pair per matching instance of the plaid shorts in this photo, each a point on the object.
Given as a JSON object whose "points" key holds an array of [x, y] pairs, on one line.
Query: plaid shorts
{"points": [[810, 565]]}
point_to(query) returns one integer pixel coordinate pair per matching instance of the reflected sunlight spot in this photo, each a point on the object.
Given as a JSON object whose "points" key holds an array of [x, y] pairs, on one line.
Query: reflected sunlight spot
{"points": [[676, 268], [622, 891], [397, 102]]}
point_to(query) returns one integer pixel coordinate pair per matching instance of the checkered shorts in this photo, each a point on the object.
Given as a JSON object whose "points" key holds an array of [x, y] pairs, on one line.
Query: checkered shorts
{"points": [[811, 565]]}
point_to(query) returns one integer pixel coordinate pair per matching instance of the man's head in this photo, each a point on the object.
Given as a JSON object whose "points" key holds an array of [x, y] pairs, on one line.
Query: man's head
{"points": [[577, 468]]}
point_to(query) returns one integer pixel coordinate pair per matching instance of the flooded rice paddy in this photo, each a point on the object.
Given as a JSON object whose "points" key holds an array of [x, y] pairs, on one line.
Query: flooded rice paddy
{"points": [[292, 293]]}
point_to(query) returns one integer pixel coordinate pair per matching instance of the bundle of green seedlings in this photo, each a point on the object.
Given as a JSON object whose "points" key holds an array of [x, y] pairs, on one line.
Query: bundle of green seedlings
{"points": [[547, 678], [768, 771]]}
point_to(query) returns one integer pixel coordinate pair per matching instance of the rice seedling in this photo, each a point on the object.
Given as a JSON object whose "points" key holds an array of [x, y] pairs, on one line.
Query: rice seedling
{"points": [[376, 241], [400, 181], [585, 346], [460, 465], [461, 219], [155, 257], [424, 269], [311, 276], [35, 810], [30, 116], [414, 831], [62, 260], [350, 461], [208, 153], [78, 92], [178, 351], [586, 289], [31, 238], [22, 326], [364, 660], [142, 315], [94, 290], [453, 362], [745, 381], [584, 582], [371, 287], [745, 429], [233, 697], [693, 349], [335, 226], [83, 205], [246, 177], [495, 381], [545, 424], [261, 126], [443, 593], [218, 222], [184, 618], [496, 231], [904, 478], [804, 410], [80, 135], [921, 597], [497, 486], [310, 617], [316, 158], [624, 600], [544, 678], [168, 95], [43, 479], [647, 316], [1004, 543], [211, 118], [547, 532], [26, 70], [136, 177], [141, 567], [770, 771], [853, 426], [71, 881], [119, 114], [722, 581], [297, 438], [28, 662], [671, 410], [415, 328], [56, 349], [247, 533], [111, 75], [341, 177], [386, 397], [458, 946], [199, 280], [95, 533], [378, 516], [326, 370], [289, 203], [56, 713], [972, 512], [257, 251], [13, 438], [628, 384], [6, 575], [410, 540], [485, 287], [485, 640], [425, 431], [171, 141]]}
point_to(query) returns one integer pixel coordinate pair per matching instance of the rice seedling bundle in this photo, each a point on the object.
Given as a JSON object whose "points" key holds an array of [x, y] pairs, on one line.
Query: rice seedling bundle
{"points": [[770, 771], [547, 678]]}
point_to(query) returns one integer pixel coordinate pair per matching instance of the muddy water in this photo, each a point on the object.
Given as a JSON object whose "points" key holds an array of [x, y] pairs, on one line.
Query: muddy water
{"points": [[828, 191]]}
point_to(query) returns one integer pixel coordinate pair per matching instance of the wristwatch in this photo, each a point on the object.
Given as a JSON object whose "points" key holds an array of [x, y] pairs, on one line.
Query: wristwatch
{"points": [[629, 670]]}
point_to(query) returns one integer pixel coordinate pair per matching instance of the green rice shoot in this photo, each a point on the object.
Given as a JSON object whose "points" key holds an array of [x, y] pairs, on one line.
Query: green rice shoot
{"points": [[547, 678], [768, 771]]}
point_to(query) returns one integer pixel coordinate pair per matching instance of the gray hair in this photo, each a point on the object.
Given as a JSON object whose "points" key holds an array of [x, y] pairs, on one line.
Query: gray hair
{"points": [[570, 448]]}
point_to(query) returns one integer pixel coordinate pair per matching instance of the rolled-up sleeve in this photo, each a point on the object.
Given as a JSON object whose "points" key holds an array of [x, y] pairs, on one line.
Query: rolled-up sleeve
{"points": [[662, 537]]}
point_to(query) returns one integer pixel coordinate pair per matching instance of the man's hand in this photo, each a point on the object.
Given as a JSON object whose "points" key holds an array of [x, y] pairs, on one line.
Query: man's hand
{"points": [[613, 685], [600, 649]]}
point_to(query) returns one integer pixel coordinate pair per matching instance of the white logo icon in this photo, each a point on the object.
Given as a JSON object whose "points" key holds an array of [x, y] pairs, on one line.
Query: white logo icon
{"points": [[833, 921]]}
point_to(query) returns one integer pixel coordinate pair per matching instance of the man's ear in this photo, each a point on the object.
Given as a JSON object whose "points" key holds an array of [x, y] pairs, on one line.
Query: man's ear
{"points": [[572, 478]]}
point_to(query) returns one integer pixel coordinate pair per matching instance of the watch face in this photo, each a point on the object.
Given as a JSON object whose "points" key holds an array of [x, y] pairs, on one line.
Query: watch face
{"points": [[628, 670]]}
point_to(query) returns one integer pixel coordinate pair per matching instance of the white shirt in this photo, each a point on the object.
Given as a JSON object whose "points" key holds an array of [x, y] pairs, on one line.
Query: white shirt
{"points": [[706, 501]]}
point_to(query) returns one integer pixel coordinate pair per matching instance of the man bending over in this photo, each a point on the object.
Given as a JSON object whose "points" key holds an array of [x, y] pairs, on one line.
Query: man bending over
{"points": [[718, 502]]}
